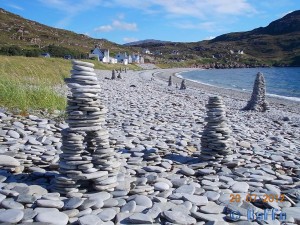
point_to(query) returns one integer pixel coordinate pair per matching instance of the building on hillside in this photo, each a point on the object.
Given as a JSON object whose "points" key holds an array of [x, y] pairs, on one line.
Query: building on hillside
{"points": [[175, 52], [100, 54], [121, 57], [146, 51], [129, 59], [46, 54], [113, 60], [241, 52], [137, 58]]}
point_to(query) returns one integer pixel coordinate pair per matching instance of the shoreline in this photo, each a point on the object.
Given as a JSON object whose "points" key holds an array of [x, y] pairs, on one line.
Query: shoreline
{"points": [[274, 101], [155, 132]]}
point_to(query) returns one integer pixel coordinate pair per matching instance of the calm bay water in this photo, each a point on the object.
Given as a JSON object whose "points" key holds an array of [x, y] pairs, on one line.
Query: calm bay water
{"points": [[283, 82]]}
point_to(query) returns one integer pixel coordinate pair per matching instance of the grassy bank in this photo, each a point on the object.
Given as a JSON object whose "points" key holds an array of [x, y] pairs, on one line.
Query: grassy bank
{"points": [[29, 83]]}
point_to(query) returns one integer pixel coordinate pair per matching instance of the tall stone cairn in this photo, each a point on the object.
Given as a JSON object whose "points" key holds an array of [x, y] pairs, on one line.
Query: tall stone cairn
{"points": [[87, 159], [258, 100], [113, 74], [170, 81], [215, 140], [183, 85]]}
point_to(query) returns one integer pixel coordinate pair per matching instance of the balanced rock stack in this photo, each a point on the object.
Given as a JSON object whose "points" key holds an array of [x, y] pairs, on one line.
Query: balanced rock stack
{"points": [[86, 155], [215, 140], [119, 76], [170, 81], [182, 86], [113, 74], [258, 98]]}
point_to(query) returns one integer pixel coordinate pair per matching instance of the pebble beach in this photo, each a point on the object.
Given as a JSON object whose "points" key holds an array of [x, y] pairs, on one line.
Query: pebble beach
{"points": [[155, 131]]}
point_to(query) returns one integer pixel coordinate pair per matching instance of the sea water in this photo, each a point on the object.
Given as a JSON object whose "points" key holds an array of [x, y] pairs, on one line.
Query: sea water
{"points": [[280, 82]]}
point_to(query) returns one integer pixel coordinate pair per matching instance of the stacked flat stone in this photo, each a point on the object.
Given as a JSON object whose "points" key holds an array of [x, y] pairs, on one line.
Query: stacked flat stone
{"points": [[119, 76], [113, 74], [215, 140], [258, 98], [183, 85], [170, 81], [86, 155]]}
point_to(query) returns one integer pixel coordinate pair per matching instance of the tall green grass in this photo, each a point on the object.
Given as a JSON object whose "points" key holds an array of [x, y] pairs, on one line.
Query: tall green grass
{"points": [[32, 83]]}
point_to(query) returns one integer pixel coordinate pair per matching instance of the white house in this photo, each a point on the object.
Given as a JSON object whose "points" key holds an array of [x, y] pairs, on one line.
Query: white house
{"points": [[146, 51], [103, 54], [125, 61], [241, 52], [142, 60], [135, 58], [113, 60], [121, 57], [129, 59]]}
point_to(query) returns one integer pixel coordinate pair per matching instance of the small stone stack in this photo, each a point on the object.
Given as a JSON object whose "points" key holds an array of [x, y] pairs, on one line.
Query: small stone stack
{"points": [[170, 81], [258, 98], [113, 74], [86, 155], [215, 140], [119, 76], [182, 86]]}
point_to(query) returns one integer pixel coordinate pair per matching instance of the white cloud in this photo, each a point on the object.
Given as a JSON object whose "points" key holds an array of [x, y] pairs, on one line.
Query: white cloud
{"points": [[124, 26], [15, 7], [117, 25], [70, 8], [104, 28], [207, 26], [209, 38], [192, 8], [129, 39]]}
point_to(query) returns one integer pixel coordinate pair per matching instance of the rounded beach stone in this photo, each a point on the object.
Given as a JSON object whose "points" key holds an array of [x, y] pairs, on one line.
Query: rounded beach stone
{"points": [[161, 186], [9, 161], [179, 217], [107, 214], [53, 217], [11, 216], [90, 219], [240, 187], [13, 134], [73, 203]]}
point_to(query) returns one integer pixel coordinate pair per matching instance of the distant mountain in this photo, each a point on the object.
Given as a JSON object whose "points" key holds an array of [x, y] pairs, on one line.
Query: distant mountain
{"points": [[276, 44], [147, 41], [288, 24], [16, 30]]}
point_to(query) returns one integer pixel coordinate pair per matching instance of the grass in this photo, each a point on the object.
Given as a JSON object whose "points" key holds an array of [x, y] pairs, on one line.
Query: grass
{"points": [[32, 83]]}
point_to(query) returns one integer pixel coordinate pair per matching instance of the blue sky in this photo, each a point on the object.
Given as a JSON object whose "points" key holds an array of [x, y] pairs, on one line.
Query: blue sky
{"points": [[123, 21]]}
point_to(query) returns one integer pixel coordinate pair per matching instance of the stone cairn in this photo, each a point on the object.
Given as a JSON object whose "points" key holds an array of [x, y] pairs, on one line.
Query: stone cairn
{"points": [[86, 160], [215, 140], [170, 81], [258, 98], [119, 76], [182, 86], [113, 74]]}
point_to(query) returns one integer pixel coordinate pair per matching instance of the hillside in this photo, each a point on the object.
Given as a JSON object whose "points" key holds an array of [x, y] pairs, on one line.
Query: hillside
{"points": [[277, 44], [15, 30]]}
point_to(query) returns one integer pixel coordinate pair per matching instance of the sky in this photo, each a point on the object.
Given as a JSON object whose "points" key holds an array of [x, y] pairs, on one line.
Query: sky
{"points": [[124, 21]]}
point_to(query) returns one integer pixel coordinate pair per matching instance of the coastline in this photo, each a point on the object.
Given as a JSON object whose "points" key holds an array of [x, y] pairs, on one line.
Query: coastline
{"points": [[156, 132], [274, 101]]}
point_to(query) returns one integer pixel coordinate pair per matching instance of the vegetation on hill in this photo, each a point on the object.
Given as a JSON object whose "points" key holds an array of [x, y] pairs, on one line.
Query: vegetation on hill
{"points": [[278, 44], [29, 36], [36, 83]]}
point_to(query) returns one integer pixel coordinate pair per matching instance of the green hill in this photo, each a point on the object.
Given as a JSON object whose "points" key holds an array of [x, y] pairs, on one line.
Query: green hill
{"points": [[277, 44], [28, 34]]}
